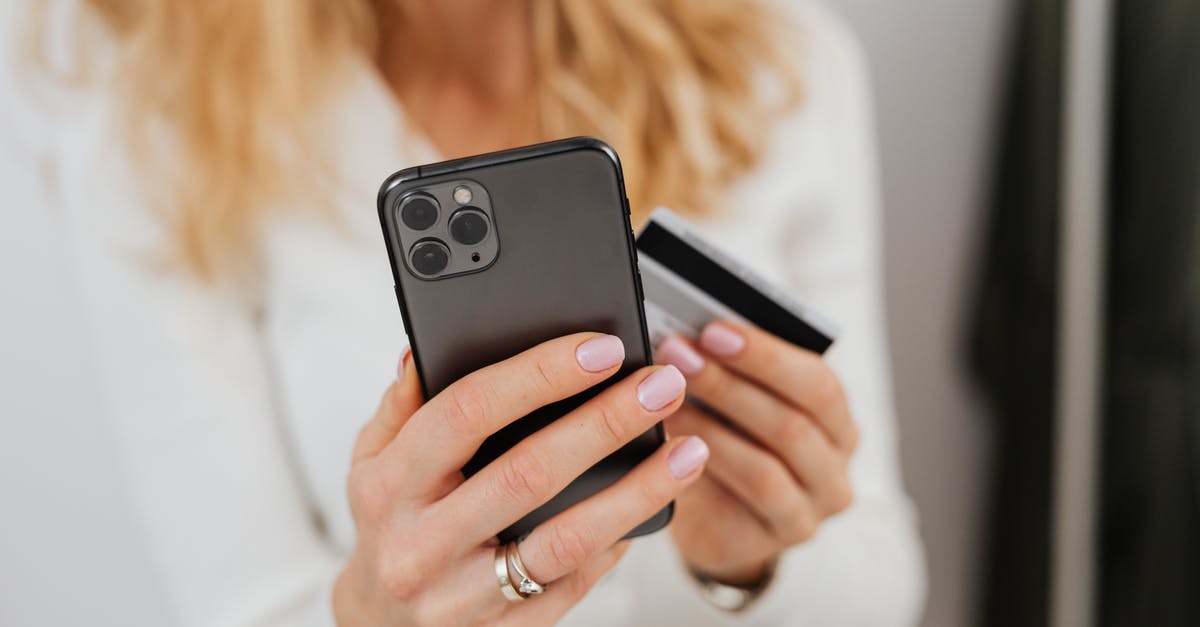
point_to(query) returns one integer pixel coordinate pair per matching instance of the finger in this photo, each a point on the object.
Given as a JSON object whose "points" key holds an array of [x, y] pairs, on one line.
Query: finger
{"points": [[403, 397], [443, 435], [770, 420], [823, 471], [697, 508], [540, 466], [793, 438], [756, 477], [567, 541], [800, 376], [566, 592]]}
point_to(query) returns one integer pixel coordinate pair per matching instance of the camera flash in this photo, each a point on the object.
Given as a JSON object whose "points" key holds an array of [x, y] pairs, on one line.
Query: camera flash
{"points": [[462, 194]]}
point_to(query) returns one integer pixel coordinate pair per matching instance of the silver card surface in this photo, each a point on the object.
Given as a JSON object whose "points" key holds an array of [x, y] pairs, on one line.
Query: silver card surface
{"points": [[687, 283]]}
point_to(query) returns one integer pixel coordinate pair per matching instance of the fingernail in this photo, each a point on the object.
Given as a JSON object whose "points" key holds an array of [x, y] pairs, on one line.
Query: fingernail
{"points": [[600, 353], [719, 339], [680, 354], [659, 389], [400, 366], [687, 457]]}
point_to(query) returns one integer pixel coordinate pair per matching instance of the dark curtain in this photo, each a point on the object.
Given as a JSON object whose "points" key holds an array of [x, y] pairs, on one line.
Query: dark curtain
{"points": [[1150, 476], [1013, 340]]}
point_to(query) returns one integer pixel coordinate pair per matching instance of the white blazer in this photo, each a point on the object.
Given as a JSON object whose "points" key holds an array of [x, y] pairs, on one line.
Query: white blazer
{"points": [[235, 413]]}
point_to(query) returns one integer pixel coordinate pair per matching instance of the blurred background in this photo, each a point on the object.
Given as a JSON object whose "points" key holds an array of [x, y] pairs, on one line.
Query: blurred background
{"points": [[1040, 171], [937, 67]]}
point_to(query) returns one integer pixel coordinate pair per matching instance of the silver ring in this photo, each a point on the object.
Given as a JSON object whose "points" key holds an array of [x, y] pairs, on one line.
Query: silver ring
{"points": [[525, 585], [501, 565]]}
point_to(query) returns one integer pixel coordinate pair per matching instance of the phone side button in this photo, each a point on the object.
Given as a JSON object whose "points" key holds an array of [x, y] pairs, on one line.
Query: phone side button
{"points": [[403, 315]]}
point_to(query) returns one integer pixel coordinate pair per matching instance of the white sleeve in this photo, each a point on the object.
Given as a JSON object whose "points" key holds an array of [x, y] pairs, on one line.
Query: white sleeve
{"points": [[223, 515], [188, 390], [865, 566], [184, 385]]}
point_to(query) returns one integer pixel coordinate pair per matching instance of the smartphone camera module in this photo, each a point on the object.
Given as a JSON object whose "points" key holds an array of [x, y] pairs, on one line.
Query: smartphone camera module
{"points": [[445, 236]]}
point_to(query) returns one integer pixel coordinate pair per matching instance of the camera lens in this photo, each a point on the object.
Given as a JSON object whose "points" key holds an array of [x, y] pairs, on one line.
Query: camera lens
{"points": [[419, 213], [430, 257], [468, 226]]}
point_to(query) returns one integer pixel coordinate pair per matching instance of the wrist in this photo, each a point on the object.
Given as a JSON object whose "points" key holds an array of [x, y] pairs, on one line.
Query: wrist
{"points": [[345, 612], [350, 608]]}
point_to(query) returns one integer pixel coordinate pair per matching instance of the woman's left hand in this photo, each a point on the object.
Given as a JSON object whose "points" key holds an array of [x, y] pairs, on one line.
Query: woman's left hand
{"points": [[780, 435]]}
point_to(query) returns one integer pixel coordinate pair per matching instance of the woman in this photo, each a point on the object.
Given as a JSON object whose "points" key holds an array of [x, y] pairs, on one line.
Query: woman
{"points": [[219, 168]]}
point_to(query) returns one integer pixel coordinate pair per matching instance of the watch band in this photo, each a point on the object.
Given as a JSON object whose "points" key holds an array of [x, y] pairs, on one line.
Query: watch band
{"points": [[731, 598]]}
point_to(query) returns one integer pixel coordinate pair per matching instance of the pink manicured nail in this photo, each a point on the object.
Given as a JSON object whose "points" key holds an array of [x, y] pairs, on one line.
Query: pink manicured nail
{"points": [[680, 354], [600, 353], [687, 457], [400, 366], [719, 339], [659, 389]]}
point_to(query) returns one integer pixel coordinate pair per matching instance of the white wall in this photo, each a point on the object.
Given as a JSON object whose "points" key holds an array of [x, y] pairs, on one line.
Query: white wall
{"points": [[936, 66]]}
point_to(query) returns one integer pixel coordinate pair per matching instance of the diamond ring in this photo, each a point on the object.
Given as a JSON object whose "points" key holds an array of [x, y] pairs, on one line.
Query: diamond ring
{"points": [[523, 583]]}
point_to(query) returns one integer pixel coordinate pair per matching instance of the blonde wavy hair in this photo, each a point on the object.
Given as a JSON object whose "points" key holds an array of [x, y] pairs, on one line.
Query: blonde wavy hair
{"points": [[675, 85]]}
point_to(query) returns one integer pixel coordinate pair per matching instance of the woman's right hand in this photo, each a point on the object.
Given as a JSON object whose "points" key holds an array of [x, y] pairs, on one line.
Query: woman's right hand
{"points": [[427, 536]]}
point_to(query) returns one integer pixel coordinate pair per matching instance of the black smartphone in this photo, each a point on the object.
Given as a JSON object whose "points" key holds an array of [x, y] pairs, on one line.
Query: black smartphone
{"points": [[496, 253]]}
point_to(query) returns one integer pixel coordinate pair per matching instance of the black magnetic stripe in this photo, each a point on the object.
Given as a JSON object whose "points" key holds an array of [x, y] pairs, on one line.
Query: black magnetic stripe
{"points": [[710, 277]]}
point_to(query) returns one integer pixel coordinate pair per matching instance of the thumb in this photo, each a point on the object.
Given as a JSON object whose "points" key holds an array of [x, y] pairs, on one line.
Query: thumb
{"points": [[402, 399]]}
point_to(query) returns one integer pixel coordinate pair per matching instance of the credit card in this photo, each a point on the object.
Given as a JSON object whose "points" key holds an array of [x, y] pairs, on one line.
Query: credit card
{"points": [[687, 283]]}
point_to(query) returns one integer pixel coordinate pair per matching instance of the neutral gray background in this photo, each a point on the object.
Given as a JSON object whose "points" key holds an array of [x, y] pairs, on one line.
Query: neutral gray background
{"points": [[935, 64]]}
